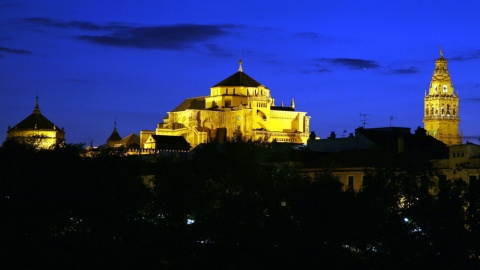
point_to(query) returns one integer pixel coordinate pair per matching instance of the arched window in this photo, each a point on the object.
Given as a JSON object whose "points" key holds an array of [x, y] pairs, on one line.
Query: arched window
{"points": [[448, 109]]}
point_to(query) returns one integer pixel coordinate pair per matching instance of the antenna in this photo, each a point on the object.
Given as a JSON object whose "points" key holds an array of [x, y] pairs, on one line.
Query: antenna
{"points": [[364, 121], [391, 119]]}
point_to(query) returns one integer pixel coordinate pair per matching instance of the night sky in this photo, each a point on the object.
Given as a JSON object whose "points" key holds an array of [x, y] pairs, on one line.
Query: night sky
{"points": [[93, 61]]}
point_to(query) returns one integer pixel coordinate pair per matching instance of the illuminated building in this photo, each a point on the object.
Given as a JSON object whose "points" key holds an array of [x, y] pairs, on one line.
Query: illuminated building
{"points": [[236, 106], [130, 142], [441, 116], [114, 137], [37, 130]]}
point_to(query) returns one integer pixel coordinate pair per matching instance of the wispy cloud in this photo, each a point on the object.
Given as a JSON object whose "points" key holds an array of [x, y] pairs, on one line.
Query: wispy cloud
{"points": [[308, 35], [47, 22], [410, 70], [470, 56], [217, 50], [14, 51], [322, 70], [169, 37], [351, 63], [10, 5]]}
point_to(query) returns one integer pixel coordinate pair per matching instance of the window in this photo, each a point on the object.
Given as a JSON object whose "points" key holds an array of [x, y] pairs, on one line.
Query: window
{"points": [[350, 181]]}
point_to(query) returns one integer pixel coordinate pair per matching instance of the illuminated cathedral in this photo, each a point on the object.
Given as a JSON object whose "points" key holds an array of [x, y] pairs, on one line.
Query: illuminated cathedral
{"points": [[237, 106], [441, 116]]}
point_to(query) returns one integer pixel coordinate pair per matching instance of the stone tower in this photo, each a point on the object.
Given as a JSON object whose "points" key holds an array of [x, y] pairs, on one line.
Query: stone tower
{"points": [[441, 116]]}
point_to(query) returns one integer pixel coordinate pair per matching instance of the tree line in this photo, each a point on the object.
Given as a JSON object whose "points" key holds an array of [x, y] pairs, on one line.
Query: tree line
{"points": [[238, 205]]}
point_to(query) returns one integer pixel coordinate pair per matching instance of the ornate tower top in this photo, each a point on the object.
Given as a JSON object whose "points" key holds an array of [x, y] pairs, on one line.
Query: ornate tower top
{"points": [[441, 83]]}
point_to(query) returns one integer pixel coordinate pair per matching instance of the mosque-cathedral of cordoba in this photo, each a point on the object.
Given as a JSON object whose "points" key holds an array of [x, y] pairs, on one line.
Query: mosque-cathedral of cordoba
{"points": [[240, 105], [237, 105]]}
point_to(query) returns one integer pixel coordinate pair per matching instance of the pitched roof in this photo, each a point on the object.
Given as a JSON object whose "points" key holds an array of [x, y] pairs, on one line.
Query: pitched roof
{"points": [[195, 103], [114, 137], [131, 141], [171, 142], [239, 79], [349, 158], [35, 121]]}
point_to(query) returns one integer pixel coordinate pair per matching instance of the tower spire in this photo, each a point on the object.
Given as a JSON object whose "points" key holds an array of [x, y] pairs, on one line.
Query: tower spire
{"points": [[36, 110], [240, 62], [441, 51]]}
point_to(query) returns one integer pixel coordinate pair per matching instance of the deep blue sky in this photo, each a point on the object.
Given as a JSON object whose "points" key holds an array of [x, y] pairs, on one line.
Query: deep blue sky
{"points": [[90, 61]]}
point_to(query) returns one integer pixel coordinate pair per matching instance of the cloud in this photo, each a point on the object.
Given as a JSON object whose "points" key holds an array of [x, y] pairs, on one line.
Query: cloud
{"points": [[471, 56], [410, 70], [308, 35], [14, 51], [72, 24], [170, 37], [322, 70], [10, 5], [351, 63]]}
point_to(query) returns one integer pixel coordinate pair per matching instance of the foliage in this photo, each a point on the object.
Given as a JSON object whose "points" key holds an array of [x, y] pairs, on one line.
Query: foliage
{"points": [[239, 205]]}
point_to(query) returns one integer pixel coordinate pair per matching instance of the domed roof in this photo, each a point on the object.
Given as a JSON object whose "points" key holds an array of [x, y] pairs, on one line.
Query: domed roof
{"points": [[35, 121], [239, 78]]}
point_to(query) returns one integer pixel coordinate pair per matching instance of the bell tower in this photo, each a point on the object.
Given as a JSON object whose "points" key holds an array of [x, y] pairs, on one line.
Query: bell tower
{"points": [[441, 116]]}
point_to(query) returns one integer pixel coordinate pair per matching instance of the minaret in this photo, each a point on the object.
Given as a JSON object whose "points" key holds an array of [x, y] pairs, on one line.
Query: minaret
{"points": [[441, 114]]}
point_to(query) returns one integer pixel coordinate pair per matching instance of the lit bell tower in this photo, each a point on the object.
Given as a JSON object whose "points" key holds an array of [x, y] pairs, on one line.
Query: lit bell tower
{"points": [[441, 116]]}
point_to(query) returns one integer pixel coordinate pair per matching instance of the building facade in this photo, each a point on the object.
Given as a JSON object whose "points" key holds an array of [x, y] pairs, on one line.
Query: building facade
{"points": [[441, 115], [37, 130], [238, 105]]}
